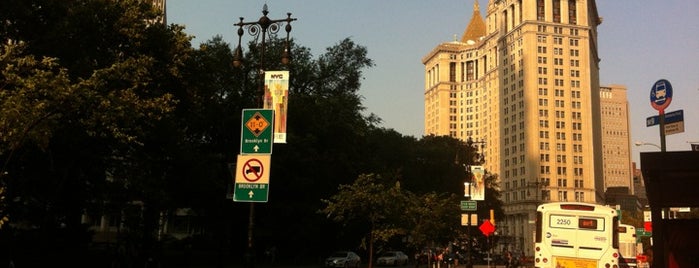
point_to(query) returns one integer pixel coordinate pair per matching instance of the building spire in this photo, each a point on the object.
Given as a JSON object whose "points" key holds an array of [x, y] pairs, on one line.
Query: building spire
{"points": [[476, 28]]}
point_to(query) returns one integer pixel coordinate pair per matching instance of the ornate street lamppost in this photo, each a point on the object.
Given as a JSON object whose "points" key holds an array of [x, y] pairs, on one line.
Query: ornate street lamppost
{"points": [[260, 30]]}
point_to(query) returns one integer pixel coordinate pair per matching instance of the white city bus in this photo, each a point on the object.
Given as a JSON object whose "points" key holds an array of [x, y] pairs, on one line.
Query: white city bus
{"points": [[580, 235], [627, 245]]}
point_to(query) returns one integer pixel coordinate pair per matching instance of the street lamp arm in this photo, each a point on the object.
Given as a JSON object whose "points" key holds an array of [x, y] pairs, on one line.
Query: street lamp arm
{"points": [[640, 143], [262, 27]]}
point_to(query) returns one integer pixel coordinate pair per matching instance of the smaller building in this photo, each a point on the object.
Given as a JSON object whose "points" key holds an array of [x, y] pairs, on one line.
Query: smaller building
{"points": [[622, 196]]}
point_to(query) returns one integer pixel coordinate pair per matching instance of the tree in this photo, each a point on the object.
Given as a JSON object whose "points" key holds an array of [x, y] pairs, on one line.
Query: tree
{"points": [[81, 95], [434, 219], [437, 164], [369, 201], [35, 93]]}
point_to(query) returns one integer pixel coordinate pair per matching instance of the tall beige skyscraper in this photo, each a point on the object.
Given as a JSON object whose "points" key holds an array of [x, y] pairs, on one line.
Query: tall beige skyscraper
{"points": [[525, 81], [616, 143]]}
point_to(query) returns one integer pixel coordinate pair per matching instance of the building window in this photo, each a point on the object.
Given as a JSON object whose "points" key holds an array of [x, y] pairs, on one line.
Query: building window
{"points": [[544, 145], [545, 170], [562, 182], [561, 147], [470, 71], [560, 136], [557, 11], [540, 10], [562, 196], [572, 12], [557, 40]]}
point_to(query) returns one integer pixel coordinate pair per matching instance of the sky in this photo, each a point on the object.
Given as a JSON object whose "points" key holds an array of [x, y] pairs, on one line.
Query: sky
{"points": [[639, 42]]}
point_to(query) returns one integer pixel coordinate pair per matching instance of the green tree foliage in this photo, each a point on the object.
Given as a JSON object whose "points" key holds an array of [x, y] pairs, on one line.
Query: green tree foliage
{"points": [[370, 202], [35, 93], [434, 219], [82, 93]]}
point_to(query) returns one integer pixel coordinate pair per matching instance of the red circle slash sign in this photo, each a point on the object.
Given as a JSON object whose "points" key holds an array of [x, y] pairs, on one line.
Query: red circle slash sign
{"points": [[253, 170]]}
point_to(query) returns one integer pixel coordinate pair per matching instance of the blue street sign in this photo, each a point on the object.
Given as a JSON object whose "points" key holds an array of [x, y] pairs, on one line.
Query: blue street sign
{"points": [[671, 117]]}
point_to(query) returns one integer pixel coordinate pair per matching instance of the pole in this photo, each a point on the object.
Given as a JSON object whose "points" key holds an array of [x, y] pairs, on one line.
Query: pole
{"points": [[264, 26], [469, 262], [470, 242], [662, 130], [251, 224]]}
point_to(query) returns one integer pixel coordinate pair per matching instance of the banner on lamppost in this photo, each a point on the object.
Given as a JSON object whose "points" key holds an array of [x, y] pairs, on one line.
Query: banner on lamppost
{"points": [[477, 183], [277, 99]]}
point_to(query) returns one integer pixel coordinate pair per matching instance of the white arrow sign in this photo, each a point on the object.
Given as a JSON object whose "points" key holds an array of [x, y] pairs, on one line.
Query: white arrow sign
{"points": [[251, 194]]}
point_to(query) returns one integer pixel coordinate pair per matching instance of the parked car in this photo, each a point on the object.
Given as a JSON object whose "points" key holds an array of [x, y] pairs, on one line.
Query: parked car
{"points": [[343, 259], [392, 258]]}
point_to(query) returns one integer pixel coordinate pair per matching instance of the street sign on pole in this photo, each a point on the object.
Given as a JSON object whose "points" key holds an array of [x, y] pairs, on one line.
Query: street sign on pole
{"points": [[470, 219], [660, 98], [641, 232], [670, 117], [674, 128], [252, 178], [469, 205], [487, 228], [661, 95], [256, 131]]}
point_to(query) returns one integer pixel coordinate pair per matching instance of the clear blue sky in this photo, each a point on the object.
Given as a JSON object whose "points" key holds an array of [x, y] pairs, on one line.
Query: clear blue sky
{"points": [[639, 43]]}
